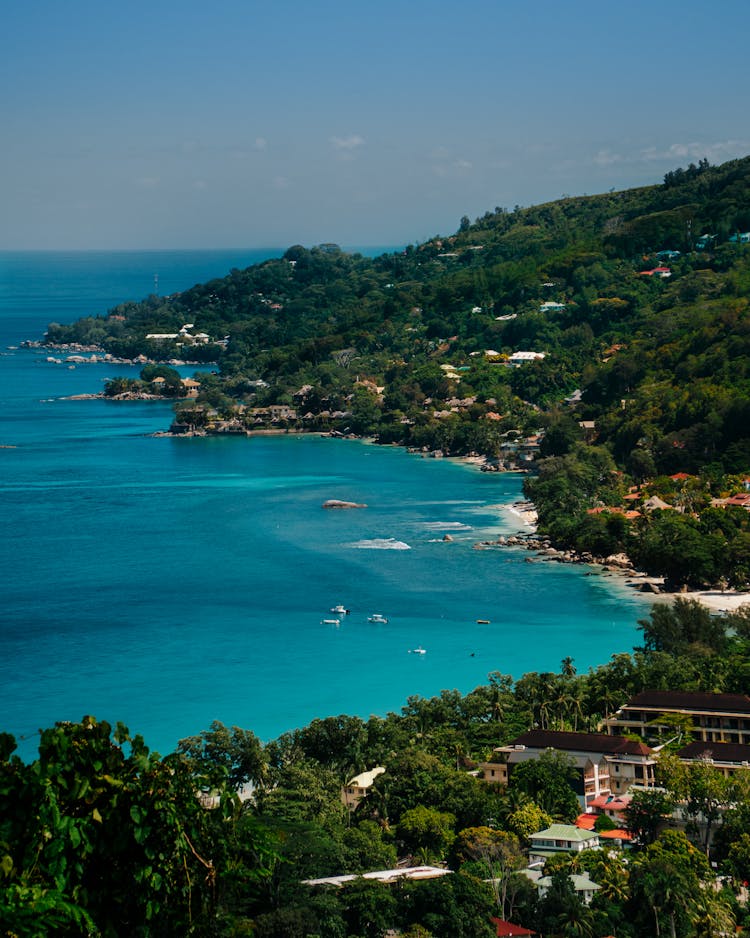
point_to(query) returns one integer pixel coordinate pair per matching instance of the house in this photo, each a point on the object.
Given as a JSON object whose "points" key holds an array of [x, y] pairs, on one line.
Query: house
{"points": [[191, 387], [715, 718], [602, 766], [518, 358], [589, 429], [613, 806], [358, 787], [561, 838], [583, 886], [630, 514], [551, 307], [662, 272], [705, 241], [728, 758], [613, 837], [657, 504], [509, 930], [382, 876], [740, 237]]}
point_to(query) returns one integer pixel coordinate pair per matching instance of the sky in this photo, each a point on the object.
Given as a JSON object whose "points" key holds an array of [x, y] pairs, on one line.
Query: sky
{"points": [[236, 123]]}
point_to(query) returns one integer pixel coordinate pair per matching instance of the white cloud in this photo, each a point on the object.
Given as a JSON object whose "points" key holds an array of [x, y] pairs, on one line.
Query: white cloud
{"points": [[607, 158], [447, 168], [260, 143], [147, 182], [280, 182], [347, 144], [718, 151]]}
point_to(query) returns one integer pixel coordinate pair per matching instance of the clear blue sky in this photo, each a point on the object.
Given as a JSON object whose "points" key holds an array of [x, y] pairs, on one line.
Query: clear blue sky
{"points": [[218, 123]]}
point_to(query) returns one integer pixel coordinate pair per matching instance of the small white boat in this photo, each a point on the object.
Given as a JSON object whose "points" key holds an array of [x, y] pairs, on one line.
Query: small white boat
{"points": [[330, 621], [340, 610], [418, 651], [376, 617]]}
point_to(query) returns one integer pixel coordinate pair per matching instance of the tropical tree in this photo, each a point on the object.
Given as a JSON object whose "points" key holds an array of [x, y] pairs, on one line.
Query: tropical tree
{"points": [[426, 831], [105, 834], [220, 754], [494, 856], [548, 782]]}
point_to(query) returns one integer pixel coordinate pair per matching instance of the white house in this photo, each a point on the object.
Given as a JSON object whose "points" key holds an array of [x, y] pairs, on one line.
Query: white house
{"points": [[358, 787], [518, 358]]}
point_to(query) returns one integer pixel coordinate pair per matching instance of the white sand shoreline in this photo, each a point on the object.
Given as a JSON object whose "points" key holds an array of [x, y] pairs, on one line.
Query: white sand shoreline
{"points": [[525, 516]]}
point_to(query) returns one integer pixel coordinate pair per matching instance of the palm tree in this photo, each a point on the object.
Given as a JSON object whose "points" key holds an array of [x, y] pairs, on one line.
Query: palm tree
{"points": [[712, 916], [567, 668]]}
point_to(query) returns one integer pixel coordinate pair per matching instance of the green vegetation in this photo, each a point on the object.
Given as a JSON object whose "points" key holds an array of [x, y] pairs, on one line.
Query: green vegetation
{"points": [[415, 348], [98, 836]]}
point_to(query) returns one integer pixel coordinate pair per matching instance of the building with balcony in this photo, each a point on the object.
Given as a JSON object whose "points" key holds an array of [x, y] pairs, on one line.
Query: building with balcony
{"points": [[603, 765], [714, 718]]}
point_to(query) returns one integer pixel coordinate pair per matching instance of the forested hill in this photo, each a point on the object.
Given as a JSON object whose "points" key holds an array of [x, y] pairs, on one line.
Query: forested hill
{"points": [[632, 311]]}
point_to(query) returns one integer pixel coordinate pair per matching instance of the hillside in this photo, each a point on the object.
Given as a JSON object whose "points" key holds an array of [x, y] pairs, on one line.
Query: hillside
{"points": [[607, 337]]}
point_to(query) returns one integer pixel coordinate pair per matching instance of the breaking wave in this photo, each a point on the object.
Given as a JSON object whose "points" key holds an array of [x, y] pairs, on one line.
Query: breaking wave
{"points": [[381, 543], [446, 526]]}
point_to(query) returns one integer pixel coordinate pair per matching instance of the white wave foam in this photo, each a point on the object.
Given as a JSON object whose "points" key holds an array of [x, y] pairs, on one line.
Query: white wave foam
{"points": [[381, 543], [446, 525]]}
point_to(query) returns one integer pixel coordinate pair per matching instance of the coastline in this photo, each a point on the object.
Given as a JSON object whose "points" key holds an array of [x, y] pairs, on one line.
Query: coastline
{"points": [[522, 512], [617, 566]]}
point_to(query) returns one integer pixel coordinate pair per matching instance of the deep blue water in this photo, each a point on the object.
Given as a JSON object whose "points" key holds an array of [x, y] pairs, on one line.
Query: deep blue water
{"points": [[171, 582]]}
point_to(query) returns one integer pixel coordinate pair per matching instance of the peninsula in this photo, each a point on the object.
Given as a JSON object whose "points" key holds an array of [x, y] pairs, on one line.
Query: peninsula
{"points": [[599, 342]]}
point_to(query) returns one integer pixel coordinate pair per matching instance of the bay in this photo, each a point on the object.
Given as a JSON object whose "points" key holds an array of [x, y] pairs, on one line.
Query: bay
{"points": [[171, 582]]}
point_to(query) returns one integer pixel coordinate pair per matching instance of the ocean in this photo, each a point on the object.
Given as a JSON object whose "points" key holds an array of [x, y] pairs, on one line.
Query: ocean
{"points": [[167, 583]]}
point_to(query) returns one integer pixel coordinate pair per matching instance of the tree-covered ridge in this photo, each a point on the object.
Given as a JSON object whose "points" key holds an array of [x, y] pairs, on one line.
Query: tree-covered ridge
{"points": [[633, 303], [99, 836]]}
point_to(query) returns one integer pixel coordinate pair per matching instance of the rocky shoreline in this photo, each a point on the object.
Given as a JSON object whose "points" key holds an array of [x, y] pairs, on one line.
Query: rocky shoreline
{"points": [[77, 354], [618, 565]]}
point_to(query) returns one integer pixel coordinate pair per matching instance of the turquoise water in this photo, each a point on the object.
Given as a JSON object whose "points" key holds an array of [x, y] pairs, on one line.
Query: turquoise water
{"points": [[171, 582]]}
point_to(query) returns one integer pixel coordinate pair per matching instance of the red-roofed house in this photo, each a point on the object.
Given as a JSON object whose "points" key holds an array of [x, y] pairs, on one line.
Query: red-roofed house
{"points": [[656, 272], [617, 836], [509, 930]]}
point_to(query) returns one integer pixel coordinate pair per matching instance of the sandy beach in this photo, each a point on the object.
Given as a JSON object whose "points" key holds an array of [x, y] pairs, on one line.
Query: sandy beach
{"points": [[714, 599]]}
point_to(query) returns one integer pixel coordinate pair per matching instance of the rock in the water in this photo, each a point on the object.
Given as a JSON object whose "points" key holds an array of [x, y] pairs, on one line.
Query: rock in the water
{"points": [[336, 503]]}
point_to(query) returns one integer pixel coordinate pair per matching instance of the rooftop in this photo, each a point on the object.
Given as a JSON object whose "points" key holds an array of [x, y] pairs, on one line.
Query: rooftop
{"points": [[580, 742], [382, 876], [688, 700]]}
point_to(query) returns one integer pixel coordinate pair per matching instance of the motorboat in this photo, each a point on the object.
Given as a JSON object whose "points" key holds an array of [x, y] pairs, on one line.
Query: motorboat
{"points": [[376, 617], [418, 651], [340, 610], [330, 621]]}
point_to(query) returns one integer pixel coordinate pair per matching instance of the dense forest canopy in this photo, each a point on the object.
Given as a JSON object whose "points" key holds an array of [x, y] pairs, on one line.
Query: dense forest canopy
{"points": [[611, 329]]}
